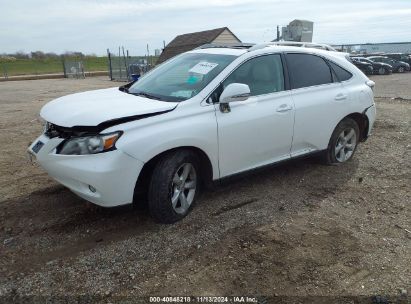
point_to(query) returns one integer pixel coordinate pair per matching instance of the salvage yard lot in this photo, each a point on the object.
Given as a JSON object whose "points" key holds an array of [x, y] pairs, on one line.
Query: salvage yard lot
{"points": [[296, 229]]}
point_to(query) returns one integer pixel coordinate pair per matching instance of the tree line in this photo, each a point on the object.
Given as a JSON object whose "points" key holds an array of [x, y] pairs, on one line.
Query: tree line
{"points": [[43, 55]]}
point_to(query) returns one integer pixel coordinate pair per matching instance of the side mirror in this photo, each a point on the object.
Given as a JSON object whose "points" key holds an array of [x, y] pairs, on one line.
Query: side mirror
{"points": [[235, 92]]}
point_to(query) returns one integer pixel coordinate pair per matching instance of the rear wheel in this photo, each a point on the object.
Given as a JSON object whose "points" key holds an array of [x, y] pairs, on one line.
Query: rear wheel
{"points": [[401, 69], [174, 186], [343, 142], [382, 71]]}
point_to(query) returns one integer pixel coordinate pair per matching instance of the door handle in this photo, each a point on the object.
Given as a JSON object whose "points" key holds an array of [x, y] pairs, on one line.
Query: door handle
{"points": [[284, 108], [340, 96]]}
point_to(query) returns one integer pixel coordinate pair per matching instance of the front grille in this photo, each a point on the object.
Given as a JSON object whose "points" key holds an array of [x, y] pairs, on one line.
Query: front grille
{"points": [[53, 130]]}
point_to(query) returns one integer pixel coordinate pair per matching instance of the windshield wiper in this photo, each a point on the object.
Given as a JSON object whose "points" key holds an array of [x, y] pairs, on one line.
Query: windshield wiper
{"points": [[147, 95], [123, 89]]}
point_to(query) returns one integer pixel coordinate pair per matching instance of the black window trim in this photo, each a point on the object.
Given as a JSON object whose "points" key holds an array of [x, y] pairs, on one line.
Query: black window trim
{"points": [[312, 86], [334, 73], [287, 84]]}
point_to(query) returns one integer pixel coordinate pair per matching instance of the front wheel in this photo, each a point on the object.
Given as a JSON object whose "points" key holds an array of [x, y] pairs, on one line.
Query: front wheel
{"points": [[174, 186], [343, 142], [401, 69]]}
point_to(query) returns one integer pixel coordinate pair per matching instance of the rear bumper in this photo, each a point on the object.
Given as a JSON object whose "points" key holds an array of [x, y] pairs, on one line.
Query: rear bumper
{"points": [[371, 114], [106, 179]]}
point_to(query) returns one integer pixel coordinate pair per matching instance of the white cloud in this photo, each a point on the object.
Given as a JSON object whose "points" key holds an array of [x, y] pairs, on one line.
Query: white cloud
{"points": [[92, 26]]}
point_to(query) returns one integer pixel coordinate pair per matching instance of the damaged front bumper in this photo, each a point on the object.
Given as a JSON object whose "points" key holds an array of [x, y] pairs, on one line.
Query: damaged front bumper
{"points": [[106, 179]]}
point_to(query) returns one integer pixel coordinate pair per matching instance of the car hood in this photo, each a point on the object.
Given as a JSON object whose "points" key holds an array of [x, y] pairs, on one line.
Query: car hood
{"points": [[92, 108]]}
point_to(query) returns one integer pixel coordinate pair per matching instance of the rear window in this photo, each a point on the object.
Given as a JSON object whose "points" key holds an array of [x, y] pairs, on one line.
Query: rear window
{"points": [[340, 73], [308, 70]]}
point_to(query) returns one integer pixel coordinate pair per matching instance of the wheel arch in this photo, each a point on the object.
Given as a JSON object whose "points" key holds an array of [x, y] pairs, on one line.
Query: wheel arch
{"points": [[362, 121], [206, 169]]}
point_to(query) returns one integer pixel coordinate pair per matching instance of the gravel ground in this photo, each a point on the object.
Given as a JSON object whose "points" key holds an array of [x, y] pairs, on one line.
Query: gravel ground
{"points": [[298, 229]]}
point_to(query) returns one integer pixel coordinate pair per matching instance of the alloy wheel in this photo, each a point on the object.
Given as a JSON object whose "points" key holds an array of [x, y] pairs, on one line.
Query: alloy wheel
{"points": [[345, 146], [184, 186]]}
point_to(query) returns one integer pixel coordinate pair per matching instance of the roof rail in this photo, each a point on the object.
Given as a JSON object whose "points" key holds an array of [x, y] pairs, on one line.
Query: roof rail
{"points": [[228, 45], [260, 46], [292, 43]]}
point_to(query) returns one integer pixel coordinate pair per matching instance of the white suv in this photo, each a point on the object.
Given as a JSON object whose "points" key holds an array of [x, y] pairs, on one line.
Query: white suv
{"points": [[202, 116]]}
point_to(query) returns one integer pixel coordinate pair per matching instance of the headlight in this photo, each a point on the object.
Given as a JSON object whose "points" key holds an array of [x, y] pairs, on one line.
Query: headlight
{"points": [[89, 144]]}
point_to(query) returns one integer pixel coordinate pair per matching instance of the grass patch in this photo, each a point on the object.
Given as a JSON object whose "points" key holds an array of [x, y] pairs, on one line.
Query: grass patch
{"points": [[47, 66]]}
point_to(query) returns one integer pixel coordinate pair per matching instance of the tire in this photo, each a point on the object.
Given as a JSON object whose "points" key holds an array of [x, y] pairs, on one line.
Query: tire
{"points": [[343, 142], [175, 175], [401, 69], [382, 71]]}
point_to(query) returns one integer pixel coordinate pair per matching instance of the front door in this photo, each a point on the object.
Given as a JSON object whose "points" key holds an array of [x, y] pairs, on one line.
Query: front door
{"points": [[259, 130]]}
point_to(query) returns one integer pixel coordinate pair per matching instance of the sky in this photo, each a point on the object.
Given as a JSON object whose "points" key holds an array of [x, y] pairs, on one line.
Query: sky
{"points": [[92, 26]]}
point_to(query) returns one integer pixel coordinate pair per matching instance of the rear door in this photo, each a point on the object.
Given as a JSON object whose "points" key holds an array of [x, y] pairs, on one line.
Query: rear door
{"points": [[319, 101]]}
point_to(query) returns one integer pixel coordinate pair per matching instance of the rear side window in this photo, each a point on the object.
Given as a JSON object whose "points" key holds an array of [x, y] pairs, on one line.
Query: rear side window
{"points": [[308, 70], [340, 73]]}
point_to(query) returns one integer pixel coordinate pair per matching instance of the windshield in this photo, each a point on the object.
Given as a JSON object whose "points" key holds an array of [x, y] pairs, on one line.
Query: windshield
{"points": [[182, 77]]}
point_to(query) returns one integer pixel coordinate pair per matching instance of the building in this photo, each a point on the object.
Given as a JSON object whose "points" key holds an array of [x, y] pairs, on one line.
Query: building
{"points": [[298, 30], [188, 42], [369, 48]]}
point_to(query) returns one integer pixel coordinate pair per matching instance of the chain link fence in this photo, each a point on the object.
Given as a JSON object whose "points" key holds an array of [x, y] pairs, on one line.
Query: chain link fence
{"points": [[55, 67], [73, 69], [120, 66], [4, 71], [123, 67]]}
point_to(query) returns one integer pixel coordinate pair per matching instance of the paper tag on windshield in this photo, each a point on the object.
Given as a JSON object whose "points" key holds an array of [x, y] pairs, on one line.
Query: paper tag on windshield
{"points": [[182, 93], [203, 67]]}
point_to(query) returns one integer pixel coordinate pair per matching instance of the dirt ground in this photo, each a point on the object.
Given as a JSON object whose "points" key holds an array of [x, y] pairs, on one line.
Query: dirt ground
{"points": [[298, 229]]}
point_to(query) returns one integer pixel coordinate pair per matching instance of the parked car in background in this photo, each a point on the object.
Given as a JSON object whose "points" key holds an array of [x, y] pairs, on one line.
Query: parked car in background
{"points": [[365, 67], [400, 57], [201, 116], [380, 68], [397, 66]]}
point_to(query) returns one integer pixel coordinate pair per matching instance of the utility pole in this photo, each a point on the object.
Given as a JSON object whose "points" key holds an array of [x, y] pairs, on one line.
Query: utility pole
{"points": [[148, 55], [278, 33], [110, 68]]}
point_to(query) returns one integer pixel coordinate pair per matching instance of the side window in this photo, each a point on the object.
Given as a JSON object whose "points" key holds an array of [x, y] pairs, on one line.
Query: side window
{"points": [[342, 74], [308, 70], [263, 75]]}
